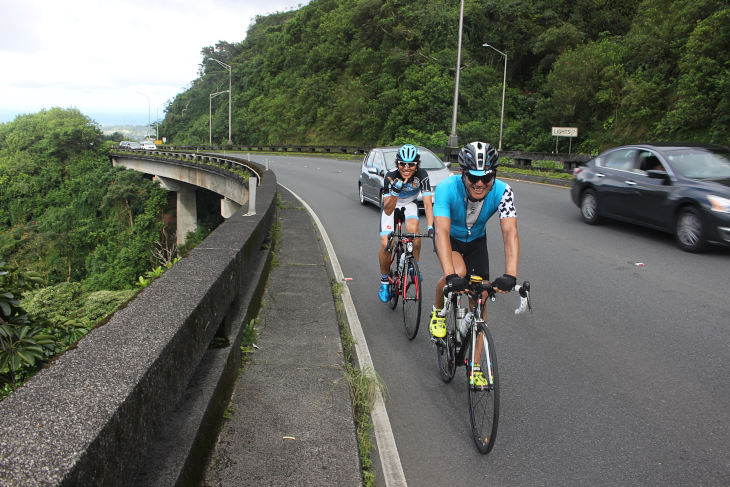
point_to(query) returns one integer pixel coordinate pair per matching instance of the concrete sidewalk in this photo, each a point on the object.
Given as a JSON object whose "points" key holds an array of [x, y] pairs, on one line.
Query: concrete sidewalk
{"points": [[291, 417]]}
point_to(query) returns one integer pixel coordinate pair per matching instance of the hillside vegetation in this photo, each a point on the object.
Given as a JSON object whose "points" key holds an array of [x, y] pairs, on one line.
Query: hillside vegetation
{"points": [[65, 212], [371, 71]]}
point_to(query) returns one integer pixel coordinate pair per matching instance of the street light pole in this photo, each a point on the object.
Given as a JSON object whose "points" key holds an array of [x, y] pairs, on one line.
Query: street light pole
{"points": [[504, 87], [453, 139], [210, 116], [149, 113], [229, 97]]}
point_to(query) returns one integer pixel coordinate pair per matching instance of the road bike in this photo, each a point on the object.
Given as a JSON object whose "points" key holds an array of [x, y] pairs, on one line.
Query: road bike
{"points": [[404, 274], [468, 342]]}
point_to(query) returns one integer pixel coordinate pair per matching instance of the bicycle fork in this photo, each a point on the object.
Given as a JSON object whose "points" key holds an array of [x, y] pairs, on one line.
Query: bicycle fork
{"points": [[472, 367]]}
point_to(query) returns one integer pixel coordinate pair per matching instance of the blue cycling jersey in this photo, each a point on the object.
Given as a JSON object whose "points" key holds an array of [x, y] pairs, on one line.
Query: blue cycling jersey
{"points": [[451, 202]]}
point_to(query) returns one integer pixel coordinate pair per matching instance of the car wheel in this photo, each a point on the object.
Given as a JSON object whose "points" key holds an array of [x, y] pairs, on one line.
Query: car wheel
{"points": [[362, 196], [589, 207], [689, 230]]}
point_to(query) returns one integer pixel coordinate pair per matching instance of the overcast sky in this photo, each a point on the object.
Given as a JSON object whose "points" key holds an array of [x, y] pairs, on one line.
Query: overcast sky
{"points": [[96, 55]]}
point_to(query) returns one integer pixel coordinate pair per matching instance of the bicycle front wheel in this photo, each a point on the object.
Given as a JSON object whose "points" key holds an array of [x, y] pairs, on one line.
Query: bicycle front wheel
{"points": [[484, 400], [447, 354], [395, 280], [411, 298]]}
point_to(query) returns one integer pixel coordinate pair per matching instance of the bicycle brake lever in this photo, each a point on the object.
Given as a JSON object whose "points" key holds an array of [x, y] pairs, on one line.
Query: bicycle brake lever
{"points": [[525, 302]]}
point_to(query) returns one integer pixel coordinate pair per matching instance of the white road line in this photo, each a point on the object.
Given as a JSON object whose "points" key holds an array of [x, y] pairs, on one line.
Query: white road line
{"points": [[389, 458]]}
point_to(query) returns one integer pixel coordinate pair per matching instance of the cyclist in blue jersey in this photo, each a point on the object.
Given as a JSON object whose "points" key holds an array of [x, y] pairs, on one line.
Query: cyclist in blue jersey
{"points": [[401, 187], [463, 205]]}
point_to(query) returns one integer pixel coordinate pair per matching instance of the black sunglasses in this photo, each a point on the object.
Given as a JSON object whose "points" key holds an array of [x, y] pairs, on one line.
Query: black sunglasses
{"points": [[407, 164], [475, 179]]}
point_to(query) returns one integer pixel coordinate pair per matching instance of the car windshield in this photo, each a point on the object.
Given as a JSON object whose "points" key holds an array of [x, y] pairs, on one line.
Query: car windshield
{"points": [[701, 163], [429, 160]]}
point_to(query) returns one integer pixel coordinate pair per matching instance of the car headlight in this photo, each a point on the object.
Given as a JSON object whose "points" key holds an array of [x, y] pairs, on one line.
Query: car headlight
{"points": [[719, 204]]}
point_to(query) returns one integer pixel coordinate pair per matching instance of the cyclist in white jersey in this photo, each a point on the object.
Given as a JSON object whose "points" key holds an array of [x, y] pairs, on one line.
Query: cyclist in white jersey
{"points": [[401, 188], [464, 204]]}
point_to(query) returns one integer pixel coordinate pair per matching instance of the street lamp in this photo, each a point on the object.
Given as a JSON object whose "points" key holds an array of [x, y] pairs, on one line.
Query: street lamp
{"points": [[149, 117], [453, 139], [504, 86], [229, 96], [210, 116]]}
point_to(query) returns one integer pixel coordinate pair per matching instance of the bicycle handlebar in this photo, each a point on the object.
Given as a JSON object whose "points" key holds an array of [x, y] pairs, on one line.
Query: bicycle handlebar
{"points": [[403, 235], [523, 290]]}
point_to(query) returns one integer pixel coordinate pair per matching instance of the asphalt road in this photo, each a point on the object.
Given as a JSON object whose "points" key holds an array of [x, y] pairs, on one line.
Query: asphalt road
{"points": [[620, 377]]}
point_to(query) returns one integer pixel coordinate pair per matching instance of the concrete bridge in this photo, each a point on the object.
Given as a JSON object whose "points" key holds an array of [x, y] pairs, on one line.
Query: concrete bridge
{"points": [[183, 172], [139, 400]]}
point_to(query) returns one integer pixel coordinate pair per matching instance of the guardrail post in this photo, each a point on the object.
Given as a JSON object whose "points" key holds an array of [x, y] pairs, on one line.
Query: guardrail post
{"points": [[252, 183]]}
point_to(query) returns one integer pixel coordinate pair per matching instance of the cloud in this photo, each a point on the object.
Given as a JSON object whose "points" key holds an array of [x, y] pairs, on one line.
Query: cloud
{"points": [[96, 55]]}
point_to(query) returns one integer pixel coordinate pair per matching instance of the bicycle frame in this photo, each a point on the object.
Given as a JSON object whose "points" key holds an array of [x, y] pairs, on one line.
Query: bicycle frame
{"points": [[475, 292], [402, 243], [471, 336]]}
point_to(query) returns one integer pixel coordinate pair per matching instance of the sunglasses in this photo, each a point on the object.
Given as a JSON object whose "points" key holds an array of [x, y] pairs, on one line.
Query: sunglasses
{"points": [[486, 179], [407, 164]]}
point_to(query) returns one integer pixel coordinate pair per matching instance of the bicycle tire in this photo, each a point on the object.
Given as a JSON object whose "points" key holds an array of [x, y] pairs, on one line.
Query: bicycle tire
{"points": [[447, 354], [412, 297], [484, 402], [394, 277]]}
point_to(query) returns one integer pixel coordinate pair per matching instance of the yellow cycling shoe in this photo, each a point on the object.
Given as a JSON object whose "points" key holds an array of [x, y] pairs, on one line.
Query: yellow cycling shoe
{"points": [[479, 380], [437, 326]]}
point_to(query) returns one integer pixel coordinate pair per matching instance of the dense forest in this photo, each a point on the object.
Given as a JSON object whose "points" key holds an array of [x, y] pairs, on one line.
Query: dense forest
{"points": [[373, 71], [65, 212], [77, 236]]}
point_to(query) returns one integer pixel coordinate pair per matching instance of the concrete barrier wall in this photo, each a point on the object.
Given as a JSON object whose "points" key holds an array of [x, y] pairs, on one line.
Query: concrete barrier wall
{"points": [[105, 410]]}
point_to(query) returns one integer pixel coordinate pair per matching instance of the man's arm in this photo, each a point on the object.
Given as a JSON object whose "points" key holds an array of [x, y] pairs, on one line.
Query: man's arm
{"points": [[428, 208], [389, 203], [443, 244], [511, 245]]}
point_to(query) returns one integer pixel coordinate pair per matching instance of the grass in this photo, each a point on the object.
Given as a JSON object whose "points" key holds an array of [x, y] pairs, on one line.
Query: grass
{"points": [[248, 339], [546, 169], [364, 386]]}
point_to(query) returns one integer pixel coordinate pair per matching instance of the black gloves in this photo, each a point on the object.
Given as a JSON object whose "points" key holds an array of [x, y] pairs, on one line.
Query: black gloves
{"points": [[431, 232], [505, 283], [396, 187], [455, 283]]}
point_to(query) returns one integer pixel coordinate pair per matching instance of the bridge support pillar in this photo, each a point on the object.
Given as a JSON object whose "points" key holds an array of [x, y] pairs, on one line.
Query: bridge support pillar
{"points": [[228, 207], [187, 214]]}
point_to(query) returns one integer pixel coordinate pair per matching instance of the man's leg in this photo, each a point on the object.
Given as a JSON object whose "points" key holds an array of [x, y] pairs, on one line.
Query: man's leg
{"points": [[386, 227], [437, 326], [412, 227]]}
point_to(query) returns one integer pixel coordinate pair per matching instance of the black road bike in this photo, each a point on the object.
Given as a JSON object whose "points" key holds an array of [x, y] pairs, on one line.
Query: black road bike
{"points": [[404, 274], [468, 342]]}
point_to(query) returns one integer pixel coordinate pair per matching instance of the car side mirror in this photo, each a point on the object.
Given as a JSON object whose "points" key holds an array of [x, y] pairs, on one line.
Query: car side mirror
{"points": [[372, 170], [447, 164], [657, 174]]}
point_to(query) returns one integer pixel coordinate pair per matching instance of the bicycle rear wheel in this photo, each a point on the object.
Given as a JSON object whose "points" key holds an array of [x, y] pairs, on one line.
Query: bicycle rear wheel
{"points": [[484, 401], [411, 298], [447, 354], [395, 282]]}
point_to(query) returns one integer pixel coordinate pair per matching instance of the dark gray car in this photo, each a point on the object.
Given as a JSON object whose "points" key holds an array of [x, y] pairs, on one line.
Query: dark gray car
{"points": [[683, 189], [382, 159]]}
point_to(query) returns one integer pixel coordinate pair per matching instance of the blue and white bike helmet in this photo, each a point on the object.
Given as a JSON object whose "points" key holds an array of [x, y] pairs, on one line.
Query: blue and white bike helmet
{"points": [[408, 153], [479, 158]]}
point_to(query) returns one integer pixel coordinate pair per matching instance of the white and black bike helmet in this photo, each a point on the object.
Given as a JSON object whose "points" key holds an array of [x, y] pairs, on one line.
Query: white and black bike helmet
{"points": [[479, 158]]}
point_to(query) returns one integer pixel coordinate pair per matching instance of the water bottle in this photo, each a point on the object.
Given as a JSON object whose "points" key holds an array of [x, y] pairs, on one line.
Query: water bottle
{"points": [[460, 312], [466, 323], [401, 262]]}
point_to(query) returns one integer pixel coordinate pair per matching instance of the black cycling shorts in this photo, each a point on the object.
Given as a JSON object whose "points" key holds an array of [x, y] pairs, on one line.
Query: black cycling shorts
{"points": [[476, 256]]}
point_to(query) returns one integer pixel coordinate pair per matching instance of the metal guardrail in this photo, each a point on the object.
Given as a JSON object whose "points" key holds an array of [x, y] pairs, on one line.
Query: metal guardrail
{"points": [[227, 162], [522, 159]]}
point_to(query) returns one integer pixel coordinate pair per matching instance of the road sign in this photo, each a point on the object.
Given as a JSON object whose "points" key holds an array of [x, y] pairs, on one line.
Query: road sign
{"points": [[565, 132]]}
